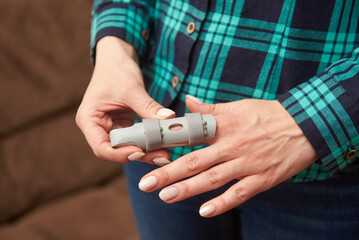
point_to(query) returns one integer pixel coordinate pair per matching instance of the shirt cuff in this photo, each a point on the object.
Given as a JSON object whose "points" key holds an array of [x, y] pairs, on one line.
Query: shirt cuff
{"points": [[130, 22], [328, 115]]}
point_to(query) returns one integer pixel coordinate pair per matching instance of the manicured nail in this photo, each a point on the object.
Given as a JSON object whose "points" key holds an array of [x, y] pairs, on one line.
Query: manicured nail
{"points": [[207, 210], [165, 112], [147, 183], [194, 99], [135, 156], [168, 193], [161, 161]]}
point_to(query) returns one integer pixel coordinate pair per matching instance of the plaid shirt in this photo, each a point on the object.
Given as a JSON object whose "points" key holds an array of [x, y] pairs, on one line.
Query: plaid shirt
{"points": [[303, 53]]}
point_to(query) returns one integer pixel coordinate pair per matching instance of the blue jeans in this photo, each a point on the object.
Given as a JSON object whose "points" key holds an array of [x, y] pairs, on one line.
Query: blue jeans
{"points": [[316, 210]]}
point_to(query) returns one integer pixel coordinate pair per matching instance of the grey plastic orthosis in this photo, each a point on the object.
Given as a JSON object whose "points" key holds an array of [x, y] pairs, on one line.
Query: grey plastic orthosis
{"points": [[152, 134]]}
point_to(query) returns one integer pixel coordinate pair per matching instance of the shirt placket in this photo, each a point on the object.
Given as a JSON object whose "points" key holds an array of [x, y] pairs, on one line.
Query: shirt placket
{"points": [[191, 26]]}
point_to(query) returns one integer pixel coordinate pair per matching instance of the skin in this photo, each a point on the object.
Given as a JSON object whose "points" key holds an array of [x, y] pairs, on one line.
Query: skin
{"points": [[257, 141], [114, 96]]}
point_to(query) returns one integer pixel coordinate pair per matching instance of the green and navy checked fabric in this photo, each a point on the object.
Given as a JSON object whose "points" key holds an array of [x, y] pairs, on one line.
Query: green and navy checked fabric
{"points": [[302, 53]]}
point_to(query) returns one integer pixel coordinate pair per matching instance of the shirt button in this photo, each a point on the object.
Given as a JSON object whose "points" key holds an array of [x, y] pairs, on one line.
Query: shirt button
{"points": [[145, 35], [191, 27], [351, 154], [175, 81]]}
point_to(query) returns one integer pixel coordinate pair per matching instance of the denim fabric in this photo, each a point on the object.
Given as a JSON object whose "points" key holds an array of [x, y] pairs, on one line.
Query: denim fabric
{"points": [[327, 209]]}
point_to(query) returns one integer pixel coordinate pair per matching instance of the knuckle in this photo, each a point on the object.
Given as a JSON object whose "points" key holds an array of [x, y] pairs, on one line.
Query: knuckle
{"points": [[240, 194], [192, 162], [213, 107], [265, 183], [244, 142], [163, 175], [151, 105], [226, 121], [252, 158], [223, 203], [216, 151], [185, 189], [212, 176]]}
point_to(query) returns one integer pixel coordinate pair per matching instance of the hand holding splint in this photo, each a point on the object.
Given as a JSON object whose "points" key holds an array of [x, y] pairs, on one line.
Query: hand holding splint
{"points": [[257, 142]]}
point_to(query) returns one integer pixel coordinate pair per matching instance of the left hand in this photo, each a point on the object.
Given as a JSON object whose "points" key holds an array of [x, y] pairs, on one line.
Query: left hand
{"points": [[257, 142]]}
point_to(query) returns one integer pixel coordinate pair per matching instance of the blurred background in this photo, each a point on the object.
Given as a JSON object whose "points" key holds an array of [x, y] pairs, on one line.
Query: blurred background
{"points": [[51, 185]]}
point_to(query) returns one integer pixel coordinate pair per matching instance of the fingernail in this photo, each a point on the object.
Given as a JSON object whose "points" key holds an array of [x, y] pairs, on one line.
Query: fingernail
{"points": [[207, 210], [147, 183], [135, 156], [168, 193], [165, 112], [161, 161], [194, 99]]}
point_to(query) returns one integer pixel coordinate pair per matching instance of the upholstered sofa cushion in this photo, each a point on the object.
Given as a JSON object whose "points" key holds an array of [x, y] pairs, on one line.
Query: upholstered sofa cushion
{"points": [[51, 184], [44, 70], [101, 212], [44, 58], [46, 161]]}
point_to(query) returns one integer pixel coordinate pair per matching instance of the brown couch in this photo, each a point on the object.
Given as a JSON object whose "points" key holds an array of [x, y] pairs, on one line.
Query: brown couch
{"points": [[51, 185]]}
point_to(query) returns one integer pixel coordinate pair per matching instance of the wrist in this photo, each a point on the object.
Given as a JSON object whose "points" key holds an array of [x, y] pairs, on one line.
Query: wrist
{"points": [[289, 128], [113, 50]]}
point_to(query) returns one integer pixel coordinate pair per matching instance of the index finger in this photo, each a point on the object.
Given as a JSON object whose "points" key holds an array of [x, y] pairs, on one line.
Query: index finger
{"points": [[99, 141], [186, 166]]}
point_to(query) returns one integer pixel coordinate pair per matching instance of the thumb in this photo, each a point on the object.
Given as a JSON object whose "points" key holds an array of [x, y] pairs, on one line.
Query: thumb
{"points": [[196, 105], [147, 107]]}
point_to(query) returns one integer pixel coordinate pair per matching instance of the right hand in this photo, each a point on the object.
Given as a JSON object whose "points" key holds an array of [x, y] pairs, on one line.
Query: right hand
{"points": [[114, 96]]}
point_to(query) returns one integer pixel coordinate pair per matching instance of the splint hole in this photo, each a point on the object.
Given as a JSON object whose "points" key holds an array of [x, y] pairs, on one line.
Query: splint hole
{"points": [[175, 127]]}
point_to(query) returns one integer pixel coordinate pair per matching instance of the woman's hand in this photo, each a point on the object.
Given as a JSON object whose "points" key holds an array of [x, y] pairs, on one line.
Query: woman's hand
{"points": [[114, 96], [257, 142]]}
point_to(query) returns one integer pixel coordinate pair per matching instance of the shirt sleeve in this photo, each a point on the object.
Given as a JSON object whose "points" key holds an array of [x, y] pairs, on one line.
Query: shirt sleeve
{"points": [[129, 20], [327, 109]]}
